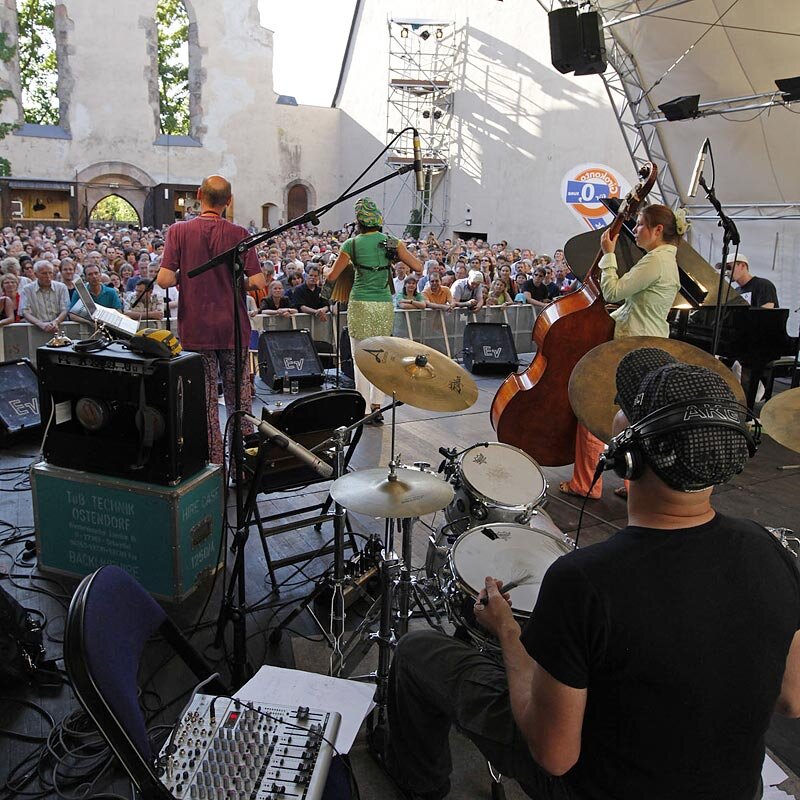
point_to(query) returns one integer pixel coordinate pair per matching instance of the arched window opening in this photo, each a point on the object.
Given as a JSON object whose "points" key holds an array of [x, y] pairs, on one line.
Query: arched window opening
{"points": [[114, 208], [172, 24], [298, 201], [38, 62]]}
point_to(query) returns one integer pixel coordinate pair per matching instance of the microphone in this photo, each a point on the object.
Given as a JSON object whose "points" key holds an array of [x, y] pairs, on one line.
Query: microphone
{"points": [[280, 439], [418, 163], [698, 168]]}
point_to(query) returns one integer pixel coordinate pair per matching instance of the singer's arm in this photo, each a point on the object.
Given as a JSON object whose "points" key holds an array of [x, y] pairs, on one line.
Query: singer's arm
{"points": [[167, 278]]}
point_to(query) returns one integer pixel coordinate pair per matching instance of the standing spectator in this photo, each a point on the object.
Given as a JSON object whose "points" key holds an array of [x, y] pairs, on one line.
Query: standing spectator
{"points": [[498, 294], [535, 290], [44, 302], [10, 288], [468, 292], [276, 304], [148, 307], [410, 297], [307, 298], [437, 295], [400, 273], [101, 294], [67, 275]]}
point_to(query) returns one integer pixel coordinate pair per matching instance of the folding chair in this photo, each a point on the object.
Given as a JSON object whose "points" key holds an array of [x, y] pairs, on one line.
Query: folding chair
{"points": [[110, 619], [310, 421]]}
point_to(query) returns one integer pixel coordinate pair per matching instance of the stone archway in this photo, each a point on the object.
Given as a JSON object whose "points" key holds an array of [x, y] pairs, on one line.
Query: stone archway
{"points": [[112, 177], [299, 197], [127, 208]]}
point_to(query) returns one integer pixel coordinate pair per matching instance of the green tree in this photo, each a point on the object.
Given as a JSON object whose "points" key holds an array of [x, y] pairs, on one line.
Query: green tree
{"points": [[172, 23], [6, 54], [414, 223], [38, 64], [114, 209]]}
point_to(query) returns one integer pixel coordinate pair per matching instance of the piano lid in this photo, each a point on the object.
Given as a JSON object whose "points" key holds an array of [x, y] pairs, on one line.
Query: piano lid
{"points": [[580, 252]]}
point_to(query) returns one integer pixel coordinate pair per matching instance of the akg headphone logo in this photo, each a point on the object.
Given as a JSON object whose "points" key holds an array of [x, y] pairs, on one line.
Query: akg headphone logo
{"points": [[708, 411]]}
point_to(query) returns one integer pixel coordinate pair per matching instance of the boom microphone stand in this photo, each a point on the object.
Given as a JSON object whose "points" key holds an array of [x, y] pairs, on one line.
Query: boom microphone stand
{"points": [[230, 611]]}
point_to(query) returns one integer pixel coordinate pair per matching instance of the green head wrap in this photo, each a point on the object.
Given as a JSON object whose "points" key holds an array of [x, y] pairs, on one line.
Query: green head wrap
{"points": [[368, 214]]}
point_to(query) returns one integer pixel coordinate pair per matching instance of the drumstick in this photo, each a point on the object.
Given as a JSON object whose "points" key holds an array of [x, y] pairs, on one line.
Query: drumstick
{"points": [[507, 587]]}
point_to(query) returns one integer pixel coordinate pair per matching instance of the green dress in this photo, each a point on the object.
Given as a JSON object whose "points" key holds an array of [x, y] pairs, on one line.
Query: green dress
{"points": [[370, 311]]}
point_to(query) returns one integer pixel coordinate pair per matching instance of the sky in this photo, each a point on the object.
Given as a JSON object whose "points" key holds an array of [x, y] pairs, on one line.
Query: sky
{"points": [[307, 56]]}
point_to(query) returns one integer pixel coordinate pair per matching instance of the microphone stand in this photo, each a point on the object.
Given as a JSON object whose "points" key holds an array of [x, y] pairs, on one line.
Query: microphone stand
{"points": [[233, 259], [730, 235]]}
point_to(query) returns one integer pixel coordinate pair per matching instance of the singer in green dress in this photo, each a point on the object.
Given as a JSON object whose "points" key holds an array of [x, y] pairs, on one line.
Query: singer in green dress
{"points": [[370, 311]]}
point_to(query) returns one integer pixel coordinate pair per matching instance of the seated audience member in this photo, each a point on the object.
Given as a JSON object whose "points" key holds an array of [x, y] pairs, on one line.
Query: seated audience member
{"points": [[149, 307], [44, 302], [277, 304], [646, 669], [468, 292], [410, 297], [535, 290], [759, 292], [306, 298], [498, 294], [437, 295]]}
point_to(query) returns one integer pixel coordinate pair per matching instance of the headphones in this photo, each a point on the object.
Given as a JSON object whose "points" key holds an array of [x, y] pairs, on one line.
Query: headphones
{"points": [[624, 452]]}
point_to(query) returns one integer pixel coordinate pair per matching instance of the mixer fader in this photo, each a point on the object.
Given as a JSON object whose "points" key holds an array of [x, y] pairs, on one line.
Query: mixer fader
{"points": [[224, 750]]}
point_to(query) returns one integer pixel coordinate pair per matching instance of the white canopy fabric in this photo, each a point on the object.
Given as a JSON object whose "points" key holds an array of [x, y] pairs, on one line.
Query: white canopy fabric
{"points": [[736, 48]]}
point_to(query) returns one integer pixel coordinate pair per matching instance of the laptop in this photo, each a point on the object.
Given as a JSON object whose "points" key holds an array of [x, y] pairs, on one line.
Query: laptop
{"points": [[109, 317]]}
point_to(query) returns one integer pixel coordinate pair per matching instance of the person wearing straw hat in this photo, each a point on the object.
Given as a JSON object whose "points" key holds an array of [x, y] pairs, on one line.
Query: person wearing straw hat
{"points": [[364, 264]]}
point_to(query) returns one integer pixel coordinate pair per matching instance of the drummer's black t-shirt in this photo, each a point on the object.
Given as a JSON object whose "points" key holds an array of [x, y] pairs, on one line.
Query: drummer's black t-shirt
{"points": [[681, 638]]}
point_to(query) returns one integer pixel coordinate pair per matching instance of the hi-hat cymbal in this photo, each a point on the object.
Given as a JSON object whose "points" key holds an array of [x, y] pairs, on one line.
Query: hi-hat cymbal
{"points": [[779, 418], [411, 493], [593, 386], [418, 374]]}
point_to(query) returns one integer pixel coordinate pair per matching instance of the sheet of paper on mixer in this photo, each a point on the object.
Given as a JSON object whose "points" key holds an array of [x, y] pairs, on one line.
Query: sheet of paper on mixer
{"points": [[351, 699]]}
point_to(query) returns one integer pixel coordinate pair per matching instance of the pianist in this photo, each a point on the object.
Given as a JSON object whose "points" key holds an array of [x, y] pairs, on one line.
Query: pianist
{"points": [[759, 292]]}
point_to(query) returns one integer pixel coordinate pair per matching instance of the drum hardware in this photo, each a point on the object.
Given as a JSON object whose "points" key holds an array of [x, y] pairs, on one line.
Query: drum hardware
{"points": [[787, 538]]}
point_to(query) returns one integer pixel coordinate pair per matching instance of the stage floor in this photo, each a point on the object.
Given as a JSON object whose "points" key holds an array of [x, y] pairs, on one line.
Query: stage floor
{"points": [[762, 492]]}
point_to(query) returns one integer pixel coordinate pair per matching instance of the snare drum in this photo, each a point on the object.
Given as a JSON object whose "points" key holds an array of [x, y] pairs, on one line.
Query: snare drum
{"points": [[495, 483], [506, 552]]}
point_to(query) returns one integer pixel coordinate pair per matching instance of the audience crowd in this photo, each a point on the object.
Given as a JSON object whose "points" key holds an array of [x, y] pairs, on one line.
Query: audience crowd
{"points": [[38, 263]]}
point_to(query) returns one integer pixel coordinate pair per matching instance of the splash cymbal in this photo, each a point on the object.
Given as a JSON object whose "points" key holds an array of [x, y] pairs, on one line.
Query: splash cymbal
{"points": [[378, 493], [593, 385], [420, 376], [779, 418]]}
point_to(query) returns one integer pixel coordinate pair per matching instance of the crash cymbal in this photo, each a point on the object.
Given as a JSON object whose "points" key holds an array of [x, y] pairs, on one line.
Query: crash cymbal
{"points": [[411, 493], [593, 386], [779, 418], [418, 374]]}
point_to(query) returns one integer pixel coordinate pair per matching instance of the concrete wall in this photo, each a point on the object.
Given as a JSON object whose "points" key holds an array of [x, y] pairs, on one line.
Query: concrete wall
{"points": [[518, 125], [110, 107]]}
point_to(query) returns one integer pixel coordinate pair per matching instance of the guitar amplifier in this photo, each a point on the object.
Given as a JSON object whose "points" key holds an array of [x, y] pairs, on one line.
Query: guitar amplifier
{"points": [[114, 412], [489, 347]]}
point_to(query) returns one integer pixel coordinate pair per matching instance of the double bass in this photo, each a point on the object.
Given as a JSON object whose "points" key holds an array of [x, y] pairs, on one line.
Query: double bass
{"points": [[531, 409]]}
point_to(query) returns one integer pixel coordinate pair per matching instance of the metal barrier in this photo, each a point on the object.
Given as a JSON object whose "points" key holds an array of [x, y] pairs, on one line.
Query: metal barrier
{"points": [[441, 330]]}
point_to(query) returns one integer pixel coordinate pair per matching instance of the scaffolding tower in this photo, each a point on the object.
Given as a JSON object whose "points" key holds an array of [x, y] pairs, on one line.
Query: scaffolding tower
{"points": [[422, 54]]}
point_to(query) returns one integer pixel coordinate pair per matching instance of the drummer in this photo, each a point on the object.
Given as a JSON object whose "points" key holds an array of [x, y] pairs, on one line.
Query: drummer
{"points": [[637, 675]]}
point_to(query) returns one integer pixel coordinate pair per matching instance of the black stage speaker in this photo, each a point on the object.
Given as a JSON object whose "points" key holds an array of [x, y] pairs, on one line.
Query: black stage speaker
{"points": [[19, 398], [287, 356], [121, 414], [576, 41], [489, 347]]}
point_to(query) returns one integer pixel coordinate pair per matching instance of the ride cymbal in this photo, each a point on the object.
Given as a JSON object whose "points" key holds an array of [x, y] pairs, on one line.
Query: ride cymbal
{"points": [[419, 375], [376, 493], [593, 383], [779, 418]]}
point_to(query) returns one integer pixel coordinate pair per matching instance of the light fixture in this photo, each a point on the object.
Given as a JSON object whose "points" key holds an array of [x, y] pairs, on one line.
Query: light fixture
{"points": [[439, 33], [391, 131], [426, 114], [404, 33], [181, 201], [437, 114], [684, 107], [425, 35], [790, 87], [468, 222]]}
